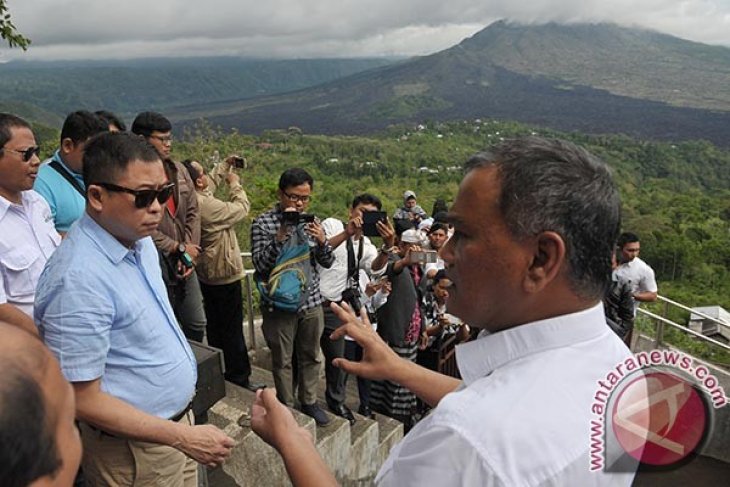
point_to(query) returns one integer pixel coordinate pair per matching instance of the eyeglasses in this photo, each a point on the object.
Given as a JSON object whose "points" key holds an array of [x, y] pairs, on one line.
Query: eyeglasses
{"points": [[143, 198], [165, 139], [297, 197], [27, 153]]}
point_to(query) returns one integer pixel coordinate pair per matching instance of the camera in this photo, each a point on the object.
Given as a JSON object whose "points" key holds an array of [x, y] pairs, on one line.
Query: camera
{"points": [[294, 217], [184, 258], [351, 296]]}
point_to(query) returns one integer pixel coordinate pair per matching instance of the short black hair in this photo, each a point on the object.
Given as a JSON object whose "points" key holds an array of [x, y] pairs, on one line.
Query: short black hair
{"points": [[147, 122], [107, 156], [81, 125], [554, 185], [9, 121], [626, 238], [194, 173], [111, 119], [440, 274], [295, 176], [400, 225], [367, 199], [438, 226], [27, 441]]}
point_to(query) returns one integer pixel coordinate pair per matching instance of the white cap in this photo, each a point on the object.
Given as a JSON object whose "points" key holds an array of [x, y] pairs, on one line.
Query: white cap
{"points": [[412, 236], [408, 194]]}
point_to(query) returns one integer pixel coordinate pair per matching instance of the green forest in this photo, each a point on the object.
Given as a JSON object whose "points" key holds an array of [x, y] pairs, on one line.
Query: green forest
{"points": [[675, 196]]}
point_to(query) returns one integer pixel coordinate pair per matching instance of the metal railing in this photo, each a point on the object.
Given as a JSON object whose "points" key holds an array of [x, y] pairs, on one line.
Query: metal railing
{"points": [[662, 321]]}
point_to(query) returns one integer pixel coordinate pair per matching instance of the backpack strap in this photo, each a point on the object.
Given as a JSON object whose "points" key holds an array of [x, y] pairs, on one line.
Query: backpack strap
{"points": [[71, 180]]}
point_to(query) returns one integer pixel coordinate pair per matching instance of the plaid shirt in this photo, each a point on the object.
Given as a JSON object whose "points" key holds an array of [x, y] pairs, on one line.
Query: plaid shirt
{"points": [[265, 249]]}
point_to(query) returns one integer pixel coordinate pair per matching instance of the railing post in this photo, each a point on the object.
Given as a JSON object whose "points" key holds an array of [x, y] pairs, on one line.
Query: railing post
{"points": [[659, 334], [249, 313]]}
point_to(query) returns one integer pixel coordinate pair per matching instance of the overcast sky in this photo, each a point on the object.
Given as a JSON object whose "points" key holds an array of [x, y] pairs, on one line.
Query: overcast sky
{"points": [[94, 29]]}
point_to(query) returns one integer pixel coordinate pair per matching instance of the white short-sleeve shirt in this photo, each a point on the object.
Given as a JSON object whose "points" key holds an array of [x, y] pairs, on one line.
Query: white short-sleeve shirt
{"points": [[522, 415], [639, 275], [27, 240]]}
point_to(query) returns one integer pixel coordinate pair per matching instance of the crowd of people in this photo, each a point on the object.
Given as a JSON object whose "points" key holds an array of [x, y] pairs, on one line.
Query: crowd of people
{"points": [[113, 255]]}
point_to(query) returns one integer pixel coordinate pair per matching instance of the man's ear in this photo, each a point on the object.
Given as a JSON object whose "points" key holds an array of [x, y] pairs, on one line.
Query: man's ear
{"points": [[94, 197], [547, 261], [67, 145]]}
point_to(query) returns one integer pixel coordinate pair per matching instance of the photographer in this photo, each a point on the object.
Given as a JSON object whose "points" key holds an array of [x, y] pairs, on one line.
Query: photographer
{"points": [[220, 267], [400, 324], [284, 331], [341, 283]]}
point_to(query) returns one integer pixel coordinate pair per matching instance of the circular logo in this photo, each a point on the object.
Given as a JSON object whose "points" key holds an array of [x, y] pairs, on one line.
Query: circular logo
{"points": [[660, 418]]}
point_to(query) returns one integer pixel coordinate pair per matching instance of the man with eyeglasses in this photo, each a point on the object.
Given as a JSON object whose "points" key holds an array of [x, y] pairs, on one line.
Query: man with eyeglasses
{"points": [[102, 309], [59, 179], [27, 236], [299, 332], [178, 236]]}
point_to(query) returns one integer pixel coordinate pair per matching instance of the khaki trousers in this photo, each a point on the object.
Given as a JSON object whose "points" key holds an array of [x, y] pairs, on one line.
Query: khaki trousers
{"points": [[287, 334], [112, 461]]}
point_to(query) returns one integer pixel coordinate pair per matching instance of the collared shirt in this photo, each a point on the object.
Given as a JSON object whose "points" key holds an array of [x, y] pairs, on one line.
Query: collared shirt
{"points": [[27, 240], [639, 276], [265, 249], [103, 310], [334, 280], [522, 415], [67, 204]]}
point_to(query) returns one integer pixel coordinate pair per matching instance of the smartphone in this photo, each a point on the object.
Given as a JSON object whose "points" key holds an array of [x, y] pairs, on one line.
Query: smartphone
{"points": [[369, 219], [424, 257], [239, 162]]}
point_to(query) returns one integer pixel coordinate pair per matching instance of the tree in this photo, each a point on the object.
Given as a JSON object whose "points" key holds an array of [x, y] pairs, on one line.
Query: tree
{"points": [[8, 30]]}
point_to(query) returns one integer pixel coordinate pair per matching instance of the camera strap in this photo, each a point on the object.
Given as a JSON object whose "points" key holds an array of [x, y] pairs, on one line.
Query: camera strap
{"points": [[353, 268]]}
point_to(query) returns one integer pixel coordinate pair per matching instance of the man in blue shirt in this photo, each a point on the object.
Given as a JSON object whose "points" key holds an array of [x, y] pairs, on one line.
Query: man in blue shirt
{"points": [[102, 308], [59, 179]]}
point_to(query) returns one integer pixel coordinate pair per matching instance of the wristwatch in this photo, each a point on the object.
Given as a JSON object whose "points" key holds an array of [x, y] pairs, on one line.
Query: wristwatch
{"points": [[385, 249], [181, 248]]}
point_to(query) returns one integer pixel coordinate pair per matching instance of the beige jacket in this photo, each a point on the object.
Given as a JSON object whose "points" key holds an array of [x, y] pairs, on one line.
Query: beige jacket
{"points": [[220, 261]]}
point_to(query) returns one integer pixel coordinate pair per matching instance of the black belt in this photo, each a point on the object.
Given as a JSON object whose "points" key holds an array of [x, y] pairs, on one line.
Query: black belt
{"points": [[182, 413], [326, 303], [175, 418]]}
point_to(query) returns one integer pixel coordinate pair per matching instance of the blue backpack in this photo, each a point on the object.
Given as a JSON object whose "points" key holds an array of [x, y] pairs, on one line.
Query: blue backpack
{"points": [[287, 287]]}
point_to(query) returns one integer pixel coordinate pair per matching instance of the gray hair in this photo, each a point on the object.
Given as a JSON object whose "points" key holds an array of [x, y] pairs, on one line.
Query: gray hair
{"points": [[554, 185]]}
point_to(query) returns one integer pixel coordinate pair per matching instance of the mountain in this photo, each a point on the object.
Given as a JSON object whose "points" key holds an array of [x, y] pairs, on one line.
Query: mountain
{"points": [[127, 87], [595, 78]]}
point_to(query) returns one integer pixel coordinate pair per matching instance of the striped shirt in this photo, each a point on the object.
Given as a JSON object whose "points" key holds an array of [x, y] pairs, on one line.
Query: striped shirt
{"points": [[265, 249]]}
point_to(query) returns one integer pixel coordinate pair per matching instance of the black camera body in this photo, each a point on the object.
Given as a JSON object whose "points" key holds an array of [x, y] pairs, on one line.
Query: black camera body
{"points": [[294, 217], [351, 296]]}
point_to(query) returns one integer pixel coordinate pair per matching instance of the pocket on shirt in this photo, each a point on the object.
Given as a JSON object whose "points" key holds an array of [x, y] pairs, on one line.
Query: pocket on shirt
{"points": [[17, 268]]}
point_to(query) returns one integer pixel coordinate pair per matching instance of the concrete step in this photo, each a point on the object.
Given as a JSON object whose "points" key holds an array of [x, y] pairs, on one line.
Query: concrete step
{"points": [[370, 440], [332, 441], [253, 462]]}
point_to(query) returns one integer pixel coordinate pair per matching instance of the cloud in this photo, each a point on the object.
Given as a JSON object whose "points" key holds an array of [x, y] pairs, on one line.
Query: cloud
{"points": [[81, 29]]}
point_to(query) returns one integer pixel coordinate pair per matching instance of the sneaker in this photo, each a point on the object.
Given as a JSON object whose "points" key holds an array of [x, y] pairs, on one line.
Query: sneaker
{"points": [[366, 411], [344, 412], [320, 417]]}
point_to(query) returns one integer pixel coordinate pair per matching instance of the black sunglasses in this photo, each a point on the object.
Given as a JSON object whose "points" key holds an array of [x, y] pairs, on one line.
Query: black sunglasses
{"points": [[28, 153], [143, 198]]}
